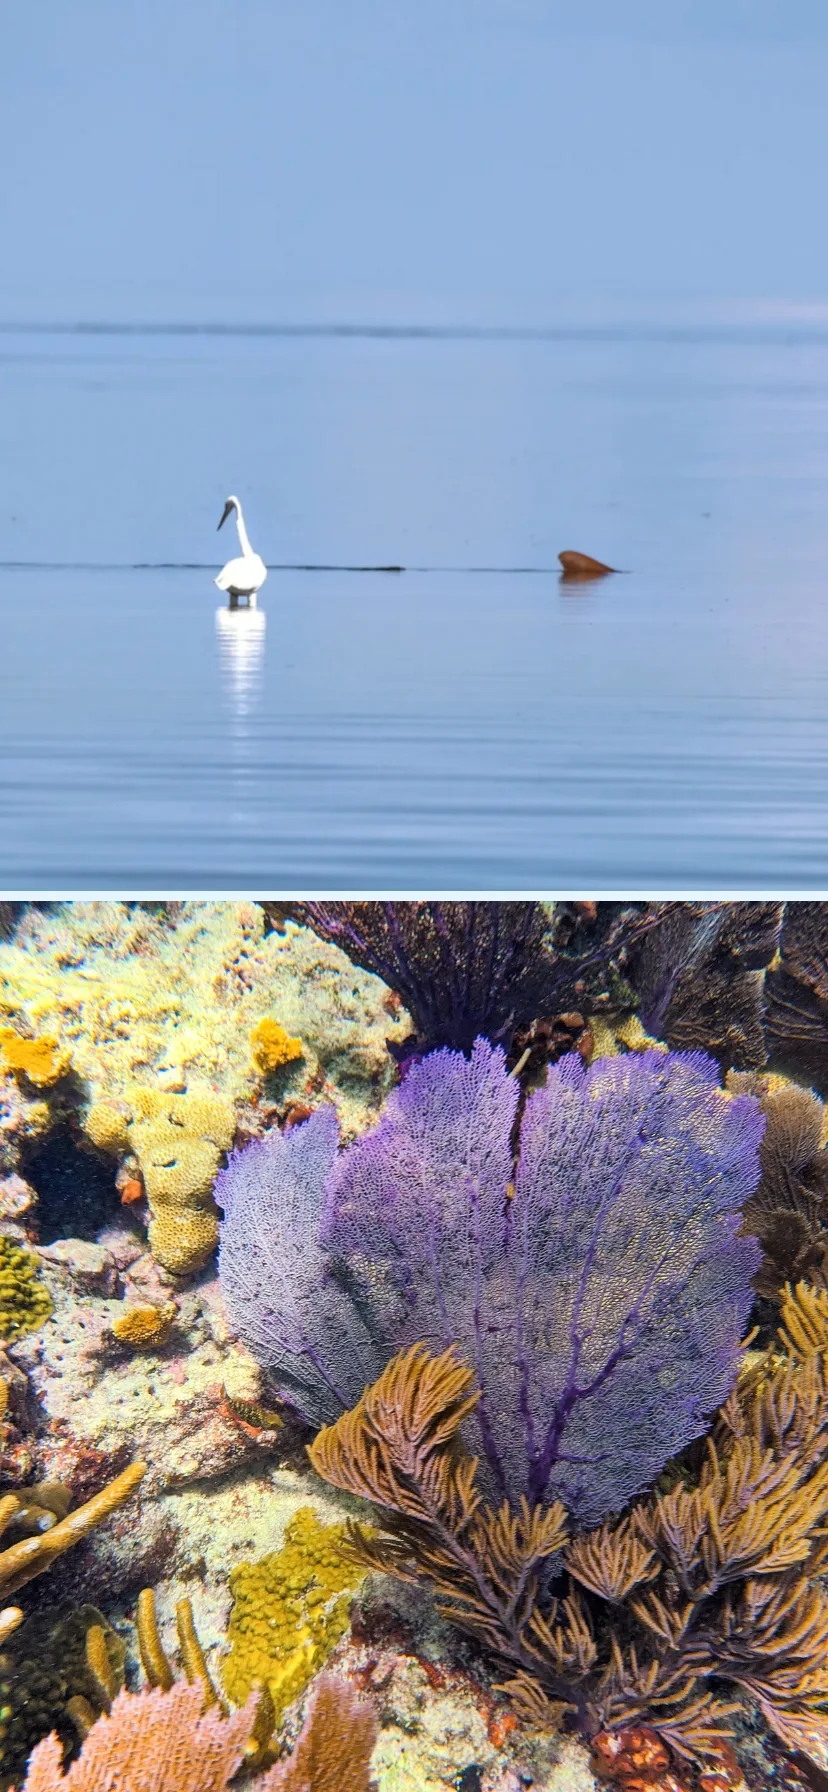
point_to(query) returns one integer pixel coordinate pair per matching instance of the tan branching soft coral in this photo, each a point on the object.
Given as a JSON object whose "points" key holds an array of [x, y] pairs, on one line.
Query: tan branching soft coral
{"points": [[711, 1579], [165, 1741]]}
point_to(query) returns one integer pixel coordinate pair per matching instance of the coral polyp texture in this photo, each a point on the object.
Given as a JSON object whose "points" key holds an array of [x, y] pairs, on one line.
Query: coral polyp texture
{"points": [[24, 1301], [144, 1327], [179, 1141], [598, 1286], [272, 1046], [40, 1061], [46, 1680], [289, 1610]]}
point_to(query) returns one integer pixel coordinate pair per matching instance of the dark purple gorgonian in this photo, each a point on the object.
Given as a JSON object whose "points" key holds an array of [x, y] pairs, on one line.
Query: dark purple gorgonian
{"points": [[599, 1288], [479, 969]]}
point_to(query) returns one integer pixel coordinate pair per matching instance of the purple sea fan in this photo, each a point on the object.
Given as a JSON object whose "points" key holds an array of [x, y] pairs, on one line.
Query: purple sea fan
{"points": [[601, 1295], [469, 969], [283, 1293]]}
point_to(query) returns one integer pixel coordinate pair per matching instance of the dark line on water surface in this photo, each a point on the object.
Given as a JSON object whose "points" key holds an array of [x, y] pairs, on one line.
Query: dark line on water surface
{"points": [[770, 332], [273, 566]]}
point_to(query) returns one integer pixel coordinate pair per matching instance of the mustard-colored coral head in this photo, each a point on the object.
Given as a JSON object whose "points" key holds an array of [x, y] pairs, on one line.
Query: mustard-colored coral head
{"points": [[144, 1327], [106, 1127], [289, 1611], [183, 1241], [41, 1061], [24, 1302], [179, 1170], [272, 1047], [178, 1140]]}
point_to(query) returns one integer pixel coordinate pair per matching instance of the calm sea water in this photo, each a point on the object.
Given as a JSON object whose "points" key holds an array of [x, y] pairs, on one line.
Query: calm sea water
{"points": [[470, 722]]}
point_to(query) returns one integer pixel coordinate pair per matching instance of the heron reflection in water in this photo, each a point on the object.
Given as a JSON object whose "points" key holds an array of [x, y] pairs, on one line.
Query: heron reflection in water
{"points": [[240, 631]]}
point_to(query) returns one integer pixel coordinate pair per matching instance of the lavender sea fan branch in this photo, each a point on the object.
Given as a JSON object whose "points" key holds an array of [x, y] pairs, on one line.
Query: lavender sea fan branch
{"points": [[599, 1289], [284, 1296]]}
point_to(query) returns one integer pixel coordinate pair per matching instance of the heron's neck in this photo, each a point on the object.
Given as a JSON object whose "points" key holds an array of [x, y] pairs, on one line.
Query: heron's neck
{"points": [[245, 544]]}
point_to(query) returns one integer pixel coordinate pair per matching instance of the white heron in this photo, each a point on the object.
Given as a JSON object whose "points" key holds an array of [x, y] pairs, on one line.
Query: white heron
{"points": [[244, 576]]}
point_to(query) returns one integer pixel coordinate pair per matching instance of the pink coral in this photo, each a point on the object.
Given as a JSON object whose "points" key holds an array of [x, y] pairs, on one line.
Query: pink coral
{"points": [[150, 1742]]}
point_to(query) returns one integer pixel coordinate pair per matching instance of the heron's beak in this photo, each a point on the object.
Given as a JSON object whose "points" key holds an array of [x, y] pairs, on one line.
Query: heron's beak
{"points": [[225, 514]]}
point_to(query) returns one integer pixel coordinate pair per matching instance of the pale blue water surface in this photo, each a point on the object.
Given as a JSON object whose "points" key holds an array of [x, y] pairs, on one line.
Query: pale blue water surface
{"points": [[467, 723]]}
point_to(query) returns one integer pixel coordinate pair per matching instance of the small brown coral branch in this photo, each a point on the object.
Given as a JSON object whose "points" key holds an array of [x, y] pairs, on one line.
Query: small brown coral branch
{"points": [[33, 1555], [10, 1621]]}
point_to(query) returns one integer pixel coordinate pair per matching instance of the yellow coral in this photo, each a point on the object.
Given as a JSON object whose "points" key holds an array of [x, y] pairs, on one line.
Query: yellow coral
{"points": [[106, 1127], [604, 1044], [632, 1034], [289, 1611], [24, 1302], [144, 1327], [610, 1038], [272, 1046], [41, 1061], [178, 1140]]}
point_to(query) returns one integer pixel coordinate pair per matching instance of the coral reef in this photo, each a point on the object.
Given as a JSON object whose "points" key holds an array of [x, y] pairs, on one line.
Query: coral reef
{"points": [[41, 1062], [711, 1579], [272, 1046], [788, 1212], [170, 996], [167, 1741], [598, 1287], [698, 978], [562, 1216], [22, 1561], [796, 988], [46, 1681], [24, 1301], [289, 1610], [144, 1327], [470, 969]]}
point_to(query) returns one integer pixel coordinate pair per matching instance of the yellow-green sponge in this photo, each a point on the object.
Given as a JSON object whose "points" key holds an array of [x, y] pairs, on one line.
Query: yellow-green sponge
{"points": [[289, 1610]]}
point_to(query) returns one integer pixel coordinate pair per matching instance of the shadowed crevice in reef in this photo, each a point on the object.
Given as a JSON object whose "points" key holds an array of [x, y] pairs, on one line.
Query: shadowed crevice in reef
{"points": [[76, 1189]]}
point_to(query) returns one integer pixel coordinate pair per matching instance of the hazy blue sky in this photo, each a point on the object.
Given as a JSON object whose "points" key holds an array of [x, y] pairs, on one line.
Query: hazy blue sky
{"points": [[430, 160]]}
